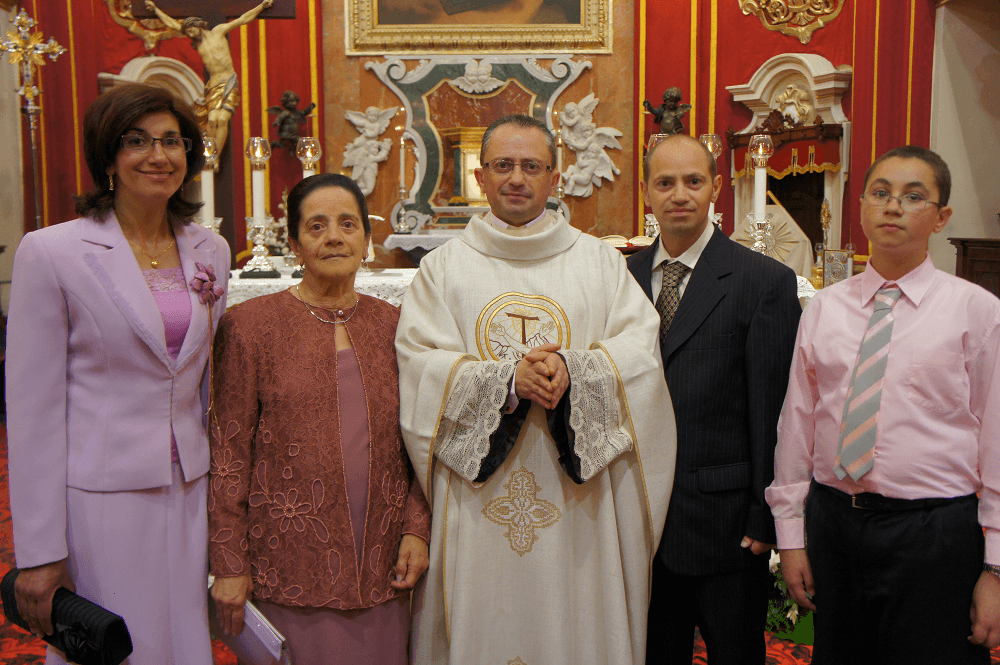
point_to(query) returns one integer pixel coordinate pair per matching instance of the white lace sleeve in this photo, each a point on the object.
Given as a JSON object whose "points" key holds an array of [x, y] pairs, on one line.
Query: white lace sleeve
{"points": [[472, 414], [594, 412]]}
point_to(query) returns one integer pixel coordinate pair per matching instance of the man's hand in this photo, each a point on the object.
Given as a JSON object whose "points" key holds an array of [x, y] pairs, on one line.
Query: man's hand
{"points": [[33, 591], [985, 612], [541, 376], [798, 576], [230, 596], [412, 562], [756, 546]]}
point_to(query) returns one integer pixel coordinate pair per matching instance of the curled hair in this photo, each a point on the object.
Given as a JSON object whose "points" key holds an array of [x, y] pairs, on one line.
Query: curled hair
{"points": [[108, 118], [307, 186], [942, 175], [713, 168], [524, 122]]}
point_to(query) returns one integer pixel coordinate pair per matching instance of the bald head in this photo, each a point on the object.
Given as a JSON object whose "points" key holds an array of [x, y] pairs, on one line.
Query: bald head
{"points": [[673, 139]]}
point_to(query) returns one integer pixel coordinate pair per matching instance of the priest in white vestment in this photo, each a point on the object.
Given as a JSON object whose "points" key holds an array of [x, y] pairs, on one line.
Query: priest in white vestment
{"points": [[537, 419]]}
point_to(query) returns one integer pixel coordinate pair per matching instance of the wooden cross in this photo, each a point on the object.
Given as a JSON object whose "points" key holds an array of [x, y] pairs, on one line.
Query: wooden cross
{"points": [[214, 11]]}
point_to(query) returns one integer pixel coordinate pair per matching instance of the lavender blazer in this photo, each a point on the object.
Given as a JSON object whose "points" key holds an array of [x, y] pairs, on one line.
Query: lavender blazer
{"points": [[92, 392]]}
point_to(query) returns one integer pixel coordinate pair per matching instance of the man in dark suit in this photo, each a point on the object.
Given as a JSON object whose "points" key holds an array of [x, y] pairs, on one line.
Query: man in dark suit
{"points": [[728, 323]]}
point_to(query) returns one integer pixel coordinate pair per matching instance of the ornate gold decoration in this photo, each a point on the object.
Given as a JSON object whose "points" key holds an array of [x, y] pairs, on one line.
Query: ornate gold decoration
{"points": [[150, 31], [798, 18], [366, 36], [27, 50], [795, 104], [514, 323], [521, 511]]}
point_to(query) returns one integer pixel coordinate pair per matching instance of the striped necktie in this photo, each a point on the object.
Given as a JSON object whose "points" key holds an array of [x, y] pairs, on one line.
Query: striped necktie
{"points": [[669, 298], [859, 425]]}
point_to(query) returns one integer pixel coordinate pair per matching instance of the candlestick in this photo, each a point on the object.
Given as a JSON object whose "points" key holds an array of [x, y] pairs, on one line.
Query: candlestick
{"points": [[308, 151], [713, 142], [259, 266], [258, 152], [402, 163], [760, 149], [208, 182]]}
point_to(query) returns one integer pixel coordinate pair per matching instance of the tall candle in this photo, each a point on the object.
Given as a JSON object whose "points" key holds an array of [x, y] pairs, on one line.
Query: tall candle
{"points": [[257, 181], [711, 211], [402, 162], [759, 190], [559, 151], [308, 172], [208, 197]]}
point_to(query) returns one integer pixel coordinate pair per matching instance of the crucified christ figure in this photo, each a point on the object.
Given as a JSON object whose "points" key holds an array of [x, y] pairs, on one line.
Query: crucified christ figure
{"points": [[222, 88]]}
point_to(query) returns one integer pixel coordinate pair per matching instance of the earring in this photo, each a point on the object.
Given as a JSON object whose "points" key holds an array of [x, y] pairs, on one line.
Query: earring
{"points": [[111, 181]]}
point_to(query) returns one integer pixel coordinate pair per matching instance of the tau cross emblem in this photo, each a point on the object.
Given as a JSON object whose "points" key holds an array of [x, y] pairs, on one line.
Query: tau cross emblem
{"points": [[521, 511]]}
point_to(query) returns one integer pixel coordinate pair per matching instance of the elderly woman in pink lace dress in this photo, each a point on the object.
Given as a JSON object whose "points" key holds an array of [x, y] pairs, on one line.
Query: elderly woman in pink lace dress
{"points": [[313, 508]]}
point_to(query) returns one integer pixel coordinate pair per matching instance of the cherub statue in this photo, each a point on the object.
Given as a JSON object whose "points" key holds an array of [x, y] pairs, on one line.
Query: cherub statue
{"points": [[222, 90], [593, 164], [669, 115], [577, 122], [364, 153], [478, 78], [288, 121]]}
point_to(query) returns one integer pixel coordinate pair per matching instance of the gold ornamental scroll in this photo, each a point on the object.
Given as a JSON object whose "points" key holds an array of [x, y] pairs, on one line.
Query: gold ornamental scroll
{"points": [[798, 18]]}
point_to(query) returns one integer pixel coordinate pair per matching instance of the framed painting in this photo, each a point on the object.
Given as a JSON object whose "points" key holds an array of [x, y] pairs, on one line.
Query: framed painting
{"points": [[477, 26]]}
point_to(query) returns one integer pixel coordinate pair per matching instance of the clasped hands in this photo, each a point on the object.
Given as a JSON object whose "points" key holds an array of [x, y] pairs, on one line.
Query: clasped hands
{"points": [[541, 376]]}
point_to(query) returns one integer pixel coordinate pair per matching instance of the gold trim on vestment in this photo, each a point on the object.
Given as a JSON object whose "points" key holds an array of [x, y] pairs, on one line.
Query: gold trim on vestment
{"points": [[482, 333]]}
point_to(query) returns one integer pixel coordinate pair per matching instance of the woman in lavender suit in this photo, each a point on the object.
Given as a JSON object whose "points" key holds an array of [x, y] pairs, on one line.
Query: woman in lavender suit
{"points": [[111, 321]]}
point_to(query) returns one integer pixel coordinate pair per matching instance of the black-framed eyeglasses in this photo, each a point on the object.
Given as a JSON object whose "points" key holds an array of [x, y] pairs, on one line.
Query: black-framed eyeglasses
{"points": [[529, 167], [136, 142], [909, 202]]}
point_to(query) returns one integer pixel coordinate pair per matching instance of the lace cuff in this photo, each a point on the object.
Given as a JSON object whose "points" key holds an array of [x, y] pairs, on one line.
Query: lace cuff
{"points": [[472, 414], [594, 415]]}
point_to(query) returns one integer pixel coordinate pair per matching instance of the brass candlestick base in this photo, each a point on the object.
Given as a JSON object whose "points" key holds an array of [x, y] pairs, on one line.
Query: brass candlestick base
{"points": [[763, 238]]}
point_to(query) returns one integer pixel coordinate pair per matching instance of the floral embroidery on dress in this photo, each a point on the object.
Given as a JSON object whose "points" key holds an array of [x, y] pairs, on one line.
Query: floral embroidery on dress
{"points": [[288, 510], [224, 471]]}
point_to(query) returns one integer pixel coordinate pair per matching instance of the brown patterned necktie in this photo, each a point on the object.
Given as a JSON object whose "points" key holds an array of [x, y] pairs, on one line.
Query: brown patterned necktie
{"points": [[669, 298]]}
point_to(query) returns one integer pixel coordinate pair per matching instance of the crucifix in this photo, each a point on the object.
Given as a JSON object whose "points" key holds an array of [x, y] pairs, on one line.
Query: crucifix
{"points": [[222, 87], [27, 49]]}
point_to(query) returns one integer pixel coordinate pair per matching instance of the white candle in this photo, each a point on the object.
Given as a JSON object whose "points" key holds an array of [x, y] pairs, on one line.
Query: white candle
{"points": [[257, 180], [402, 163], [208, 196], [759, 190], [711, 211], [559, 147], [308, 172]]}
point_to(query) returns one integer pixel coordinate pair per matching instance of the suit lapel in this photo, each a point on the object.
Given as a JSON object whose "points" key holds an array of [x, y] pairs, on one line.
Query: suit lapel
{"points": [[115, 268], [703, 292], [193, 250]]}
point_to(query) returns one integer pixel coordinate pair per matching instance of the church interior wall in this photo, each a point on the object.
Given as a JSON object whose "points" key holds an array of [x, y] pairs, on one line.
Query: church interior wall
{"points": [[965, 125]]}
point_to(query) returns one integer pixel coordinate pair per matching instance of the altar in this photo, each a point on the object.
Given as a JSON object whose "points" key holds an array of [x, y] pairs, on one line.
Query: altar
{"points": [[388, 285]]}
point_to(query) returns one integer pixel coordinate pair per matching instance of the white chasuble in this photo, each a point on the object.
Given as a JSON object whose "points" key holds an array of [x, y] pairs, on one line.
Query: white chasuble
{"points": [[526, 563]]}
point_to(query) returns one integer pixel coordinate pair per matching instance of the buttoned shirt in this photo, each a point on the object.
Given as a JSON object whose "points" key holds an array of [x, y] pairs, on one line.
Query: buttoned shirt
{"points": [[688, 257], [939, 418]]}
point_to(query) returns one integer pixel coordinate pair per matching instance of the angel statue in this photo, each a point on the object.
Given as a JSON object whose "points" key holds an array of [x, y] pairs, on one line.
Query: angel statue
{"points": [[593, 164], [365, 153], [222, 90], [289, 120], [577, 122], [669, 115]]}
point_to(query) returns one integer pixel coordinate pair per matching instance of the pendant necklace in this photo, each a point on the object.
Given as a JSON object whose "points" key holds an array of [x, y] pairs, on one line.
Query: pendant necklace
{"points": [[339, 312], [152, 259]]}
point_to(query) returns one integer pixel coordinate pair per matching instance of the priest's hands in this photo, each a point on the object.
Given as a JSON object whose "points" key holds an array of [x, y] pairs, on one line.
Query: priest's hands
{"points": [[985, 612], [541, 376], [230, 595], [33, 591], [798, 576], [412, 562]]}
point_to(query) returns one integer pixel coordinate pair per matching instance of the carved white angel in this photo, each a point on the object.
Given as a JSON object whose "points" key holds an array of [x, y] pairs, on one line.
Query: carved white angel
{"points": [[577, 122], [478, 78], [593, 165], [365, 153]]}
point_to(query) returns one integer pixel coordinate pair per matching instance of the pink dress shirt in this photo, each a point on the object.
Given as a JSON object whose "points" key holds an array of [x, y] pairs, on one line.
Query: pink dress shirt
{"points": [[939, 419]]}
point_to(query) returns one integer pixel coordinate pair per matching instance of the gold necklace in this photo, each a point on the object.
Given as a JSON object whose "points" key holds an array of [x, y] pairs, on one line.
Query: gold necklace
{"points": [[152, 259], [339, 312]]}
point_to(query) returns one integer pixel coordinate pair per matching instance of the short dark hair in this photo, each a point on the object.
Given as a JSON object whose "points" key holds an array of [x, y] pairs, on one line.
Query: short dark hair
{"points": [[942, 175], [525, 122], [307, 186], [713, 169], [108, 118]]}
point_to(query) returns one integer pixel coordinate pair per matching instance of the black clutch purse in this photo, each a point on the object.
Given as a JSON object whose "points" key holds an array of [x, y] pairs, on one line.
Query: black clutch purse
{"points": [[85, 632]]}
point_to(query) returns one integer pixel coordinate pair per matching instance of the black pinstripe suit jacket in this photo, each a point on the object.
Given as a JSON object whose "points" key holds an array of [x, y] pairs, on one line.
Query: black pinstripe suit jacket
{"points": [[726, 360]]}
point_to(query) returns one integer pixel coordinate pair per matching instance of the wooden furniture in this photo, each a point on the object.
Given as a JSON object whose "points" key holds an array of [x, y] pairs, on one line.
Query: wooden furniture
{"points": [[978, 261]]}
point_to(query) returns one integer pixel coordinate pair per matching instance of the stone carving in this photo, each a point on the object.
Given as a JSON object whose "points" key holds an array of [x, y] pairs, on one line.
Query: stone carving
{"points": [[794, 103], [365, 153], [478, 78], [588, 141]]}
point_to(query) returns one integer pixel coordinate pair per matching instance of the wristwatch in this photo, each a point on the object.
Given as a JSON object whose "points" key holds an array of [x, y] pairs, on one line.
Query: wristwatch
{"points": [[991, 568]]}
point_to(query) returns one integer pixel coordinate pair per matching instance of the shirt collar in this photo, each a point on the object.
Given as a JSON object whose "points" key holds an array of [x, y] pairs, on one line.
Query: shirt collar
{"points": [[913, 284], [500, 224], [691, 255]]}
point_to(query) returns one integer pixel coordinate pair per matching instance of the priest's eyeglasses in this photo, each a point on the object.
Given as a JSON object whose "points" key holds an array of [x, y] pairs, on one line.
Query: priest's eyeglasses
{"points": [[909, 202], [529, 167], [143, 143]]}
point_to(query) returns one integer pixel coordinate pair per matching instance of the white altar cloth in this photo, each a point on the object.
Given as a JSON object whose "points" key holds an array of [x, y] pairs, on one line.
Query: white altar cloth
{"points": [[387, 284]]}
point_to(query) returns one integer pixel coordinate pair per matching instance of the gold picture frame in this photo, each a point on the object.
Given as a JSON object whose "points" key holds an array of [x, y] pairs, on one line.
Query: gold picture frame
{"points": [[365, 35]]}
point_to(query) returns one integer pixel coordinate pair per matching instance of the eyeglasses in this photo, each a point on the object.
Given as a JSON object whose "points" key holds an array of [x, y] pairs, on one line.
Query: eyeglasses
{"points": [[909, 202], [144, 143], [529, 167]]}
